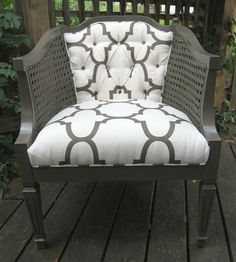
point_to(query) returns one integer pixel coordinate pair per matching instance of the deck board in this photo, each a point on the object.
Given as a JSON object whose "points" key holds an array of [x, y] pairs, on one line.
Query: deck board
{"points": [[168, 235], [227, 192], [90, 236], [17, 231], [60, 222], [7, 209], [129, 235], [215, 249], [12, 202]]}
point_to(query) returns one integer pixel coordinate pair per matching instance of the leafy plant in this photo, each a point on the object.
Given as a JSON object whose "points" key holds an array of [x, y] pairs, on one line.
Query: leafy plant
{"points": [[8, 163], [226, 49], [12, 44], [225, 118]]}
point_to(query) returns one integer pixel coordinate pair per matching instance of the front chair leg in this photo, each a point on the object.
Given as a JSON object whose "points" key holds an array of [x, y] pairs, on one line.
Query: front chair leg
{"points": [[33, 202], [206, 199]]}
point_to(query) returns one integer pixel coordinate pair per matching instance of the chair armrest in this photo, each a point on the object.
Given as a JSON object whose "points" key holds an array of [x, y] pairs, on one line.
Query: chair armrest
{"points": [[190, 81], [45, 83]]}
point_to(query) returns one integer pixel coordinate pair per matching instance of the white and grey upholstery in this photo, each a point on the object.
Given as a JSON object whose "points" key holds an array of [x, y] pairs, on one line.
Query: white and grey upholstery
{"points": [[116, 132], [118, 71], [119, 60]]}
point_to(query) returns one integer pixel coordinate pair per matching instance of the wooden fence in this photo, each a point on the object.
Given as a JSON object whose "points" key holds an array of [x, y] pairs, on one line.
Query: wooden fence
{"points": [[39, 15], [191, 13]]}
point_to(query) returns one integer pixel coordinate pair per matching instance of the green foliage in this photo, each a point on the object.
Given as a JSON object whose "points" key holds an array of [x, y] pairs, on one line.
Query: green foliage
{"points": [[6, 4], [212, 43], [12, 43], [225, 118], [8, 163]]}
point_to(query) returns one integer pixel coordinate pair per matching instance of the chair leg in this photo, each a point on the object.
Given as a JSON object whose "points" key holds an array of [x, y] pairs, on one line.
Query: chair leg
{"points": [[33, 202], [206, 199]]}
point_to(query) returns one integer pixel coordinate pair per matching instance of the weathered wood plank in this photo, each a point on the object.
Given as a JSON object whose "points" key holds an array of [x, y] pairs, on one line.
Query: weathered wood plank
{"points": [[13, 200], [129, 235], [134, 7], [60, 222], [18, 230], [215, 248], [66, 12], [81, 11], [36, 18], [90, 236], [51, 12], [227, 193], [168, 235], [233, 146], [7, 209], [96, 7], [109, 7], [146, 7], [14, 190]]}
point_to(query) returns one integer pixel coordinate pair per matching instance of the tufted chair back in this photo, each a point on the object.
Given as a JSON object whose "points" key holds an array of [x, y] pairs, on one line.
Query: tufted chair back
{"points": [[119, 60]]}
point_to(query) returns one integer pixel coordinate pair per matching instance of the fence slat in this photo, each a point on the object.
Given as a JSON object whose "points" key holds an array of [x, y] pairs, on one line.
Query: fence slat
{"points": [[66, 12], [109, 7], [160, 10], [51, 11], [134, 7], [96, 7], [167, 11], [186, 13], [157, 11], [81, 10], [177, 9], [146, 7], [122, 7]]}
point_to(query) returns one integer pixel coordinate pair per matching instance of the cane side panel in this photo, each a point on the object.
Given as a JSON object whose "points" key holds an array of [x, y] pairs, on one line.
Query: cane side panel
{"points": [[51, 83], [185, 80]]}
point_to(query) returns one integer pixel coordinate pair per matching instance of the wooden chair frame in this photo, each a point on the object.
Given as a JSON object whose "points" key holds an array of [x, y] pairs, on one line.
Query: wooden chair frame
{"points": [[31, 177]]}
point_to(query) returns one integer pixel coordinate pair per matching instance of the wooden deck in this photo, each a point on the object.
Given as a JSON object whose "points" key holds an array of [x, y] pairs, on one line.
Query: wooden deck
{"points": [[133, 221]]}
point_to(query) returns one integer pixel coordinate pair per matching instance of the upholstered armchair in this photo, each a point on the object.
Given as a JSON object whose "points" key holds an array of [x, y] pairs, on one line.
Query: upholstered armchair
{"points": [[117, 98]]}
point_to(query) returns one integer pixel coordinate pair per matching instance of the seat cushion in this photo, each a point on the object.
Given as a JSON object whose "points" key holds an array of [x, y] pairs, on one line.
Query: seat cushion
{"points": [[118, 60], [133, 132]]}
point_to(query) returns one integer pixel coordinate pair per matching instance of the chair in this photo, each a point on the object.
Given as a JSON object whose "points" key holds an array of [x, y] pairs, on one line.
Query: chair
{"points": [[117, 98]]}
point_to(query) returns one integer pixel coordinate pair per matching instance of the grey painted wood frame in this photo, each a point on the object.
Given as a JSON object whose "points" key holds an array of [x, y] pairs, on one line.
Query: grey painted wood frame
{"points": [[32, 176]]}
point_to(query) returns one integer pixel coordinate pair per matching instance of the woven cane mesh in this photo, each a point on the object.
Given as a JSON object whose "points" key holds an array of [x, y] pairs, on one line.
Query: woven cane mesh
{"points": [[185, 80], [51, 83]]}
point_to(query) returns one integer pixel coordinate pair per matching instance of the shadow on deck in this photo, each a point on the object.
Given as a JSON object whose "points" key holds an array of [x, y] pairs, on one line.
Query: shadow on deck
{"points": [[114, 221]]}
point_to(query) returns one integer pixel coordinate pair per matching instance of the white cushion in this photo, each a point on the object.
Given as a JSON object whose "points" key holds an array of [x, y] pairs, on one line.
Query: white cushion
{"points": [[119, 132], [118, 60]]}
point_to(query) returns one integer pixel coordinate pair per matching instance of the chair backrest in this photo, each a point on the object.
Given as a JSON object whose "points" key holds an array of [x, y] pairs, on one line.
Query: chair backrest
{"points": [[45, 72], [119, 60]]}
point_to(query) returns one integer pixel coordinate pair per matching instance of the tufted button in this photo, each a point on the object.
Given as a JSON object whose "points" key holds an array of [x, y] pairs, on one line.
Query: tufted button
{"points": [[143, 42], [83, 67], [157, 66], [119, 92], [94, 43]]}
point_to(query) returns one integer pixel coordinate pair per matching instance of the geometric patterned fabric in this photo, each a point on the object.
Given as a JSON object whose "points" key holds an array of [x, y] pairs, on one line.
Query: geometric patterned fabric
{"points": [[119, 132], [119, 60]]}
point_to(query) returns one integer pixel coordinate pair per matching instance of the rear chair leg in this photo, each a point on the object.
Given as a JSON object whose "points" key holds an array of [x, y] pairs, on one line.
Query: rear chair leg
{"points": [[33, 202], [206, 199]]}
